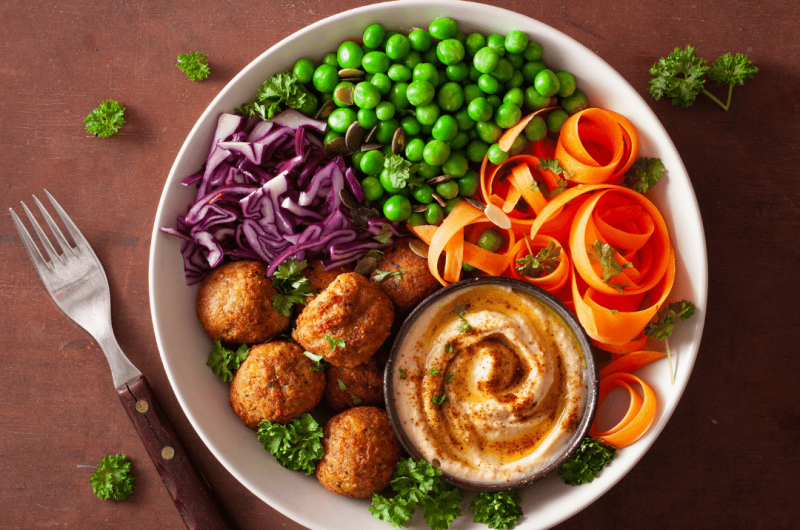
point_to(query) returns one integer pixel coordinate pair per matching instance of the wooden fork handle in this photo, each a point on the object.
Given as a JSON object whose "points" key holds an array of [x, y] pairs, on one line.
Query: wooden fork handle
{"points": [[186, 485]]}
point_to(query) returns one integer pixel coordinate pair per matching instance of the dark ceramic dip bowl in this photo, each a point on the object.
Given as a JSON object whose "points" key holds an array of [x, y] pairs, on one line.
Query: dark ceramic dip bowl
{"points": [[421, 316]]}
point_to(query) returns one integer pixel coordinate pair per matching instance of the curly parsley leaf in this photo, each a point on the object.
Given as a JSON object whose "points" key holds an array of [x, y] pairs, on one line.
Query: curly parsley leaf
{"points": [[604, 254], [544, 262], [280, 89], [644, 174], [333, 343], [401, 172], [732, 69], [194, 65], [292, 285], [662, 327], [296, 445], [553, 164], [442, 506], [105, 120], [499, 510], [592, 456], [680, 76], [113, 478], [382, 275], [385, 236], [396, 510], [223, 361]]}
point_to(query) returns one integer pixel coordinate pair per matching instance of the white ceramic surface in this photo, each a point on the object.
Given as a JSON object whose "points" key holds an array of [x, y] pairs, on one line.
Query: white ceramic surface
{"points": [[184, 346]]}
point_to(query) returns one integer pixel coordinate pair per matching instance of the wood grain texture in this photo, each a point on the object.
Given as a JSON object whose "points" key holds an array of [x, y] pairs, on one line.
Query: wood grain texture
{"points": [[729, 456]]}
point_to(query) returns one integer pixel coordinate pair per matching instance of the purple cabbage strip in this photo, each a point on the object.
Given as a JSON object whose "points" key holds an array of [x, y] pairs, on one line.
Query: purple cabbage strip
{"points": [[269, 191]]}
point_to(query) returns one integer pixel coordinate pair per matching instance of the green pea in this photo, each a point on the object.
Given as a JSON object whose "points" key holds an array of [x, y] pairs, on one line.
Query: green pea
{"points": [[496, 155], [397, 208], [491, 240], [330, 58], [517, 80], [515, 96], [308, 108], [450, 51], [355, 159], [460, 141], [474, 73], [423, 194], [303, 70], [375, 63], [389, 34], [516, 41], [420, 93], [486, 60], [399, 73], [480, 109], [456, 165], [450, 96], [534, 100], [325, 78], [434, 214], [488, 131], [431, 57], [383, 83], [533, 51], [410, 126], [342, 84], [445, 128], [447, 190], [385, 131], [450, 204], [367, 118], [464, 120], [460, 36], [488, 84], [372, 162], [567, 83], [476, 150], [398, 96], [530, 69], [516, 60], [468, 184], [436, 152], [428, 171], [495, 101], [372, 188], [556, 119], [546, 83], [443, 28], [331, 135], [428, 114], [507, 115], [349, 55], [366, 95], [473, 43], [497, 43], [426, 72], [341, 118], [416, 219], [504, 71], [518, 145], [466, 267], [471, 92], [414, 149], [386, 183], [397, 46], [373, 36], [420, 40], [536, 129], [575, 103], [412, 59], [457, 72]]}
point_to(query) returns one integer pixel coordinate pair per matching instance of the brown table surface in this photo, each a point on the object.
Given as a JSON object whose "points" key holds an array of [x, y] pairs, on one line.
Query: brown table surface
{"points": [[728, 458]]}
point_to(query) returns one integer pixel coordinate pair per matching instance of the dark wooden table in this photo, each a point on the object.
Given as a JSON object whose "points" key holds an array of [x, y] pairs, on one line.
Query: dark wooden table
{"points": [[728, 458]]}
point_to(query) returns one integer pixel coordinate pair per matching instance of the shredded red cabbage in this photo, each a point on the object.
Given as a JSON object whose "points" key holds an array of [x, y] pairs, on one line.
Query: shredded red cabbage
{"points": [[269, 191]]}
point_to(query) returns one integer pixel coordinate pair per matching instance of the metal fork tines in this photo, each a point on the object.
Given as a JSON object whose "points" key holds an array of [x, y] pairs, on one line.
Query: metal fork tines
{"points": [[76, 281]]}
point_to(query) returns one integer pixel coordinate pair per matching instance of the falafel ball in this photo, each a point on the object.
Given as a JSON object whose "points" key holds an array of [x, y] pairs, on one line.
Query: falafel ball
{"points": [[320, 278], [361, 451], [234, 304], [360, 385], [347, 322], [275, 383], [414, 282]]}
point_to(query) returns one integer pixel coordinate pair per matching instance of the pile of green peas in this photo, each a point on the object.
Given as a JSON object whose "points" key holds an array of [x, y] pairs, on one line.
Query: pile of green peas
{"points": [[452, 94]]}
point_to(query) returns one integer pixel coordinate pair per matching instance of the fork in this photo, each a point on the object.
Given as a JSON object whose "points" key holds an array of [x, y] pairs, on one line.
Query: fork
{"points": [[77, 283]]}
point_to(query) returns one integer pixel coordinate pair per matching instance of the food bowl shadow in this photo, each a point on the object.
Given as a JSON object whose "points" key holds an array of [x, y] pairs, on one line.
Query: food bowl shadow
{"points": [[592, 381]]}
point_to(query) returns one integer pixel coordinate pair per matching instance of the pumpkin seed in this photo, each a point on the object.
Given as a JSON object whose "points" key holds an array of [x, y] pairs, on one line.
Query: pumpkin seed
{"points": [[438, 180], [344, 94], [477, 204], [354, 136], [325, 110], [438, 199], [418, 247], [353, 73], [398, 141], [337, 146], [349, 199], [371, 146], [366, 266], [419, 208]]}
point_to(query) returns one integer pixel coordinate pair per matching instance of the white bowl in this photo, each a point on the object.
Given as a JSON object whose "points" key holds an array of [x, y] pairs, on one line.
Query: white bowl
{"points": [[184, 346]]}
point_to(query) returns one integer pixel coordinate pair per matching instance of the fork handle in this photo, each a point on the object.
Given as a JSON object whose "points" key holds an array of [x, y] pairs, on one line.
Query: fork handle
{"points": [[188, 488]]}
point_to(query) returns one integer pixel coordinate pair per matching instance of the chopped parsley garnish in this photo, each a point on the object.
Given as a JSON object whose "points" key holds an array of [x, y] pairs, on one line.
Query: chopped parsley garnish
{"points": [[382, 275], [292, 285], [105, 120], [604, 253], [552, 164], [295, 446], [499, 510], [402, 373], [356, 400], [448, 378], [280, 89], [319, 364], [644, 174], [433, 371], [438, 400], [592, 456], [194, 65], [113, 478], [662, 327], [223, 361], [464, 326], [544, 262], [448, 348], [342, 386], [401, 172], [333, 343], [385, 235]]}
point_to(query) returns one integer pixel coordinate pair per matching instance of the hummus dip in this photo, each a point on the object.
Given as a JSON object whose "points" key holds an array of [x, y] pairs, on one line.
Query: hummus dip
{"points": [[489, 384]]}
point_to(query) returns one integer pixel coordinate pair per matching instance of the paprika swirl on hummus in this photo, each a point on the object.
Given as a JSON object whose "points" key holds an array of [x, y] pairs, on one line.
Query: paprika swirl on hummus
{"points": [[490, 384]]}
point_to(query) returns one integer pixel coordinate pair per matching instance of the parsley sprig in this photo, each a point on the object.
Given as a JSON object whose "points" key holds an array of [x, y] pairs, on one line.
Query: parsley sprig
{"points": [[105, 120], [333, 343], [292, 285], [113, 478], [604, 254], [381, 275], [401, 172], [499, 510], [644, 174], [662, 327], [194, 65], [319, 363], [552, 164], [583, 466], [681, 76], [418, 483], [224, 361], [545, 261], [280, 89], [295, 446]]}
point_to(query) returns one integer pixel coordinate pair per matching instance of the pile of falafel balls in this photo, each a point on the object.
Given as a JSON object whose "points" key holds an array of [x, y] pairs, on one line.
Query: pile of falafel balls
{"points": [[347, 320]]}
